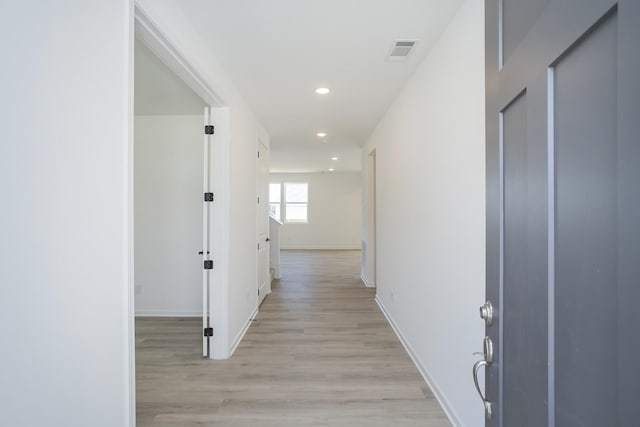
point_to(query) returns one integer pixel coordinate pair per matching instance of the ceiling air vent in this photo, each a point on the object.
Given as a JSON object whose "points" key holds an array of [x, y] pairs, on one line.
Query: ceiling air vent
{"points": [[401, 49]]}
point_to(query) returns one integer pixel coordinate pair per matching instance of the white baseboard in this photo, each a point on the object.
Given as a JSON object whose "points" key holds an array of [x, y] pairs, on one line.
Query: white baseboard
{"points": [[367, 284], [347, 247], [167, 313], [241, 334], [444, 402]]}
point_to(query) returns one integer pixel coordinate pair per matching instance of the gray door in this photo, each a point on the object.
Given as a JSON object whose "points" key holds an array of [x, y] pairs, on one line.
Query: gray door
{"points": [[563, 212]]}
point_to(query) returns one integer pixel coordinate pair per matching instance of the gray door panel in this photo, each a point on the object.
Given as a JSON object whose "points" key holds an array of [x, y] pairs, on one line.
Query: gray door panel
{"points": [[563, 211], [628, 167], [524, 324], [585, 252]]}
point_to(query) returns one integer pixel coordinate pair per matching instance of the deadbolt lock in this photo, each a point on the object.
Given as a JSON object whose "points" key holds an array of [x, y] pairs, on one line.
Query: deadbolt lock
{"points": [[486, 313]]}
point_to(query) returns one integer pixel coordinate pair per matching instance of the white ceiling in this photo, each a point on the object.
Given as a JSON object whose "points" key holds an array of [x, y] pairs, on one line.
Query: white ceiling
{"points": [[279, 51]]}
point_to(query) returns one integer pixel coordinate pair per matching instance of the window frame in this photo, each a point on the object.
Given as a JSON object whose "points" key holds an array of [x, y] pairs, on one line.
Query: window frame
{"points": [[286, 202], [283, 202]]}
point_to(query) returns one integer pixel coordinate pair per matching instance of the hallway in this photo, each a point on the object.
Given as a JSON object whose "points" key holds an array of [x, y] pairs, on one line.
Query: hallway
{"points": [[320, 353]]}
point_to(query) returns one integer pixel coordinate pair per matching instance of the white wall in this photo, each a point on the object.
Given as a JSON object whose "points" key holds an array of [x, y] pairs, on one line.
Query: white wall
{"points": [[168, 215], [430, 187], [64, 222], [234, 182], [334, 211]]}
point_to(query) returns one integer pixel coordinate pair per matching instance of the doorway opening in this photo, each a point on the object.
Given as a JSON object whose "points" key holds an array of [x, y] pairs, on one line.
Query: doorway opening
{"points": [[175, 213], [169, 230], [176, 171]]}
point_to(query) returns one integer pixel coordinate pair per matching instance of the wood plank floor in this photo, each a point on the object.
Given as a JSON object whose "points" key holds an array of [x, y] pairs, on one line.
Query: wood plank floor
{"points": [[320, 353]]}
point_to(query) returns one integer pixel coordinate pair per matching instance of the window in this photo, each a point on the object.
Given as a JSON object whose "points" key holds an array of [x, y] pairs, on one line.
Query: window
{"points": [[296, 197], [275, 200], [290, 205]]}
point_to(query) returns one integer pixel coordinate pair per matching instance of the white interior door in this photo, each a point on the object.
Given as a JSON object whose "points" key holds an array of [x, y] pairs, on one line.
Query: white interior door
{"points": [[264, 285], [207, 261]]}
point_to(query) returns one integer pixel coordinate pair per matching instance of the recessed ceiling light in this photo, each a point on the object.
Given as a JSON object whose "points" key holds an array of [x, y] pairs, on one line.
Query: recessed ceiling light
{"points": [[334, 158], [331, 170], [323, 90], [321, 134]]}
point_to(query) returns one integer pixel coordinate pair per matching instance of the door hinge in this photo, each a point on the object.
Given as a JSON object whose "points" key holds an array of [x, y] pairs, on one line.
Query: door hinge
{"points": [[209, 130], [258, 154], [258, 246], [208, 332], [258, 200], [208, 197], [208, 264]]}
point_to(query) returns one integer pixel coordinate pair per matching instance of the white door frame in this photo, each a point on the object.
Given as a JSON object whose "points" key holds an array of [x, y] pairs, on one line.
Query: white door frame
{"points": [[152, 36], [207, 276], [262, 209]]}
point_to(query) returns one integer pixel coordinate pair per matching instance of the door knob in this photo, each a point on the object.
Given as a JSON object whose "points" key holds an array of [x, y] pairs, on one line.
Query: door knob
{"points": [[486, 313], [487, 353], [488, 410]]}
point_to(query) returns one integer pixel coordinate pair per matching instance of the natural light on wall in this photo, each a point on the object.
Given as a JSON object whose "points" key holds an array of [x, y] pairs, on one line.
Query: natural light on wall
{"points": [[296, 198], [295, 201]]}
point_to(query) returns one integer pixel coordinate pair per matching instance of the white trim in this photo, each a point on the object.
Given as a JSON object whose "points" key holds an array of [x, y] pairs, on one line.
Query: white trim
{"points": [[167, 313], [241, 334], [150, 33], [128, 241], [206, 277], [367, 284], [440, 397], [220, 226], [347, 247]]}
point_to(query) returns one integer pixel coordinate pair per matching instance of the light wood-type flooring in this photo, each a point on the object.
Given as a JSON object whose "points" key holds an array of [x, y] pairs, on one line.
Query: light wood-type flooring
{"points": [[320, 353]]}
